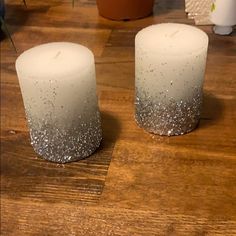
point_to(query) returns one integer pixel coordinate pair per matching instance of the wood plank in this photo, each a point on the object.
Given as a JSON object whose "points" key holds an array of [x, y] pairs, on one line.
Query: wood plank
{"points": [[74, 219], [171, 180]]}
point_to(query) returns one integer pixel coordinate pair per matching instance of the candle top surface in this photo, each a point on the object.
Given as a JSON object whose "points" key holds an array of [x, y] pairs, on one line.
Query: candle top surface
{"points": [[54, 59], [172, 38]]}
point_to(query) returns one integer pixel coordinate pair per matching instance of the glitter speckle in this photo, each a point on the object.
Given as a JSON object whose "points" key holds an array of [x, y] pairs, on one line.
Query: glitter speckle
{"points": [[12, 132], [65, 144], [167, 117]]}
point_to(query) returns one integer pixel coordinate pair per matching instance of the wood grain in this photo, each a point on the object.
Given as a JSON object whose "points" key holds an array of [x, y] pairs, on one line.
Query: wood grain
{"points": [[136, 183]]}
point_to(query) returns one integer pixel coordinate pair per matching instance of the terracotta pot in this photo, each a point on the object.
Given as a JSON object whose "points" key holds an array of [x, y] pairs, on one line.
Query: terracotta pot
{"points": [[125, 9]]}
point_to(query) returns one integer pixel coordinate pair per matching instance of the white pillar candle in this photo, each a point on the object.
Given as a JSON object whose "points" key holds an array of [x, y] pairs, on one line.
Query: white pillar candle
{"points": [[58, 86], [170, 64]]}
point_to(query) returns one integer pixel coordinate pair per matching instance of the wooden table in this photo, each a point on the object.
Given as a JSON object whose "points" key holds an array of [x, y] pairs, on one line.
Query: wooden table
{"points": [[136, 183]]}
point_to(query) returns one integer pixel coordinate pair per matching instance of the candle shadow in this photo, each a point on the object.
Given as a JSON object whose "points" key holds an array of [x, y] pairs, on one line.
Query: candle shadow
{"points": [[111, 130], [221, 45], [79, 182], [212, 110]]}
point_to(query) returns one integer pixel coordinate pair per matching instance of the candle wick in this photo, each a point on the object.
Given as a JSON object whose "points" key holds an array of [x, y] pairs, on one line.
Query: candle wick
{"points": [[173, 34], [57, 55]]}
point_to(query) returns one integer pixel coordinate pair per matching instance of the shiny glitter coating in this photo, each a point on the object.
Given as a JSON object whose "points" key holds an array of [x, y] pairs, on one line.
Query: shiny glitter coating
{"points": [[167, 118], [169, 76], [58, 86], [65, 144]]}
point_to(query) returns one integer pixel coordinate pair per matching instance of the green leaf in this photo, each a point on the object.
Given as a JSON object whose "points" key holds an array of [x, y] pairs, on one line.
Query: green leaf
{"points": [[5, 29], [24, 1]]}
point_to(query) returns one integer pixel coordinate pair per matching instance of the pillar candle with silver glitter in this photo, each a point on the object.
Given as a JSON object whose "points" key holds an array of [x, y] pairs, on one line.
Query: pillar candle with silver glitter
{"points": [[58, 86], [170, 64]]}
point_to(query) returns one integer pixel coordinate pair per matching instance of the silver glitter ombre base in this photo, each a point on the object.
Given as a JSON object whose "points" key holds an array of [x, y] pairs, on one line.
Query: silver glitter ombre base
{"points": [[167, 117], [57, 144]]}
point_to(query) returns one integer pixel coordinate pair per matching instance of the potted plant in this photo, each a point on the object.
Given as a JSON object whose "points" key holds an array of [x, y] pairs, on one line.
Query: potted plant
{"points": [[125, 9], [3, 26], [2, 9]]}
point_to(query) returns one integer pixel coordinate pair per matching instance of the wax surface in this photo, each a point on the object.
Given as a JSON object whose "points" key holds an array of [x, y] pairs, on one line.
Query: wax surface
{"points": [[58, 77], [54, 59], [170, 64], [172, 39], [58, 87]]}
